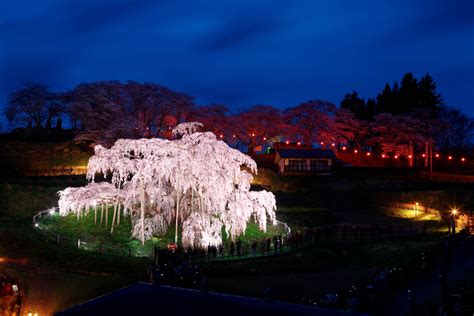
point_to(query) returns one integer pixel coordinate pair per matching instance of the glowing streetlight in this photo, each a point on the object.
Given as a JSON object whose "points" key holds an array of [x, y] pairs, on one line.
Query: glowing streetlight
{"points": [[453, 220]]}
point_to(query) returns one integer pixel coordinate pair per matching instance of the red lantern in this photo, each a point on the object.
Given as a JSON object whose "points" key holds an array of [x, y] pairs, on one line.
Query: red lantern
{"points": [[437, 155], [383, 155], [463, 159], [221, 136], [396, 156], [368, 154], [423, 155], [450, 157], [409, 156], [355, 151], [344, 148], [287, 142], [299, 143]]}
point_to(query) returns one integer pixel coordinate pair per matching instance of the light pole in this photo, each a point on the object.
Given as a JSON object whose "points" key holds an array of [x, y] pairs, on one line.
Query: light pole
{"points": [[453, 220], [415, 207]]}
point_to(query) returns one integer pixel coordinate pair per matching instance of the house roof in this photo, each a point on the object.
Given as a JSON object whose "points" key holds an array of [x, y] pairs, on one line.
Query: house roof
{"points": [[307, 153], [145, 298]]}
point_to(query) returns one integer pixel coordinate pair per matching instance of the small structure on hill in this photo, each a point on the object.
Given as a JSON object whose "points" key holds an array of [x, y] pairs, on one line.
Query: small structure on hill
{"points": [[305, 161]]}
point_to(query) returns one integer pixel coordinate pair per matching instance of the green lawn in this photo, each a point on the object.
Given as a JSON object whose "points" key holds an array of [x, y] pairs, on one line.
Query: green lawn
{"points": [[120, 241]]}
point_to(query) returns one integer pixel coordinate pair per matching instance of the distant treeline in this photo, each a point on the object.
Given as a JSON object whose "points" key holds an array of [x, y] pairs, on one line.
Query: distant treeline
{"points": [[403, 119]]}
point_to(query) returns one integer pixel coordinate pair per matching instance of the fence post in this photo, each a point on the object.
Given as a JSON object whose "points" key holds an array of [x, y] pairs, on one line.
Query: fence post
{"points": [[58, 238]]}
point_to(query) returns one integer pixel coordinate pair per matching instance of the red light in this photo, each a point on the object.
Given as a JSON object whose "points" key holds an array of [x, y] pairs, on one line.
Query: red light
{"points": [[409, 156], [253, 134], [423, 155], [264, 138], [463, 159], [333, 144], [221, 136], [450, 157], [355, 151], [287, 142], [344, 148], [322, 143], [383, 155], [437, 155], [368, 154], [396, 156], [233, 135], [299, 143]]}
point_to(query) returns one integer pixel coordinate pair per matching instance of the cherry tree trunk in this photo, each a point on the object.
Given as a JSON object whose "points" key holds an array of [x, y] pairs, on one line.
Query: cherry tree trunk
{"points": [[142, 210], [177, 215], [113, 218], [106, 216], [101, 215], [118, 215]]}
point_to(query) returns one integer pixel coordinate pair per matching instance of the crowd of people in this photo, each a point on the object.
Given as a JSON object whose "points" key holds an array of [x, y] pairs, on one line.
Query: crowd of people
{"points": [[10, 296], [278, 244], [172, 266]]}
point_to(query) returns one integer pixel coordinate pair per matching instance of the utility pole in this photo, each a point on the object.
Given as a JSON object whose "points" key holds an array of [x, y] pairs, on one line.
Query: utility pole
{"points": [[431, 158]]}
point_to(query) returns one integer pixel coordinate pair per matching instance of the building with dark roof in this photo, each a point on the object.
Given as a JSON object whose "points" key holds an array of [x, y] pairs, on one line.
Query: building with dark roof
{"points": [[305, 161], [148, 299]]}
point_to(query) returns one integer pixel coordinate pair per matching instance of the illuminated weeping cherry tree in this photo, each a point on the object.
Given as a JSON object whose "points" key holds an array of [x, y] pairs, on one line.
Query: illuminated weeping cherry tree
{"points": [[197, 181]]}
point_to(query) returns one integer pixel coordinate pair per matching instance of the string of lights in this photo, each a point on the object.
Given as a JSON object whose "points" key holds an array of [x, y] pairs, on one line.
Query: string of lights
{"points": [[368, 153]]}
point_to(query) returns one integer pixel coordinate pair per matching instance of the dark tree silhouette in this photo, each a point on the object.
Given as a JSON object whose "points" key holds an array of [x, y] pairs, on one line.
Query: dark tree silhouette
{"points": [[110, 110], [454, 131], [356, 105], [34, 105], [411, 96]]}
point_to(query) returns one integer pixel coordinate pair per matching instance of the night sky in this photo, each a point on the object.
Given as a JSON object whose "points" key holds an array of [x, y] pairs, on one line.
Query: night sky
{"points": [[241, 53]]}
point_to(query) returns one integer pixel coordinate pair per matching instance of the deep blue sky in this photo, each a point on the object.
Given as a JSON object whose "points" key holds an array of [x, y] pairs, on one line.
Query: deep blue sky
{"points": [[241, 52]]}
